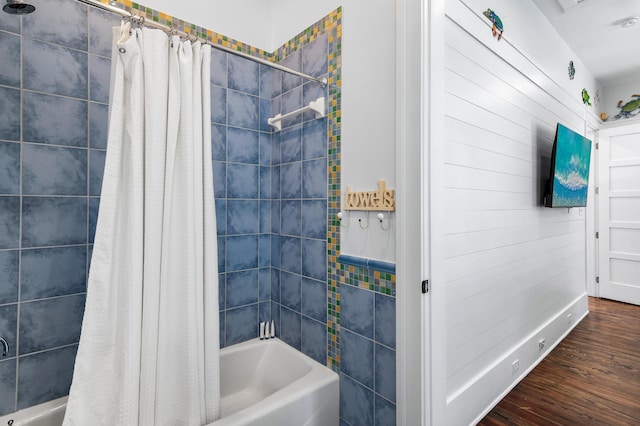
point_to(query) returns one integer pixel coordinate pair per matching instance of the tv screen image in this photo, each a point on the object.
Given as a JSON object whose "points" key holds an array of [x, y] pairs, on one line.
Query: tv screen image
{"points": [[570, 162]]}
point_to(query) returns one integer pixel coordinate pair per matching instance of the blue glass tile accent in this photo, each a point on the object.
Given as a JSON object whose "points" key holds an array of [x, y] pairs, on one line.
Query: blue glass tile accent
{"points": [[242, 181], [265, 182], [53, 221], [100, 31], [265, 217], [9, 168], [218, 105], [244, 75], [50, 323], [220, 179], [264, 257], [353, 260], [314, 56], [221, 216], [385, 372], [96, 160], [385, 412], [314, 179], [265, 82], [314, 299], [264, 284], [8, 326], [368, 263], [314, 219], [241, 324], [53, 272], [7, 386], [314, 259], [51, 170], [9, 222], [356, 402], [242, 146], [290, 180], [290, 290], [45, 376], [265, 149], [356, 310], [242, 217], [10, 23], [218, 67], [242, 252], [54, 69], [275, 285], [291, 217], [243, 110], [385, 320], [314, 139], [290, 332], [356, 357], [218, 142], [9, 123], [10, 64], [291, 144], [62, 22], [9, 276], [314, 340], [94, 205], [98, 125], [290, 81], [99, 78], [290, 255], [242, 288], [291, 101]]}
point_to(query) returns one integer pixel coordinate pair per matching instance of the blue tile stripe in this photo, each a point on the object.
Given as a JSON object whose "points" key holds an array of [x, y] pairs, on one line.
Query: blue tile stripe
{"points": [[361, 262]]}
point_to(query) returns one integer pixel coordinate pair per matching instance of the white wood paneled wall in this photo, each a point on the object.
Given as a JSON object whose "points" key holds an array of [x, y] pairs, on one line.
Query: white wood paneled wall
{"points": [[514, 269]]}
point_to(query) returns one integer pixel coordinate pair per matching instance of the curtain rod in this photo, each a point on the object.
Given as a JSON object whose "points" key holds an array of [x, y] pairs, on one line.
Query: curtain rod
{"points": [[142, 21]]}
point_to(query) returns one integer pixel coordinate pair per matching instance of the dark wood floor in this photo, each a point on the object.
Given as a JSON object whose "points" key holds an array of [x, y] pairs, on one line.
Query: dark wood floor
{"points": [[590, 378]]}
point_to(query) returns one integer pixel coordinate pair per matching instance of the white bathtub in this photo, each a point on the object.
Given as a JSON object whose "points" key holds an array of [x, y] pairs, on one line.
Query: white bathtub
{"points": [[262, 383]]}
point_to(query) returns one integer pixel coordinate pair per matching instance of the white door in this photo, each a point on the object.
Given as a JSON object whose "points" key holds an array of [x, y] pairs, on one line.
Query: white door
{"points": [[619, 213]]}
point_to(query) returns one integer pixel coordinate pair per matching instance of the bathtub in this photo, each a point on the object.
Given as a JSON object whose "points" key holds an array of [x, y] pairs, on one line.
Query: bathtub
{"points": [[262, 383]]}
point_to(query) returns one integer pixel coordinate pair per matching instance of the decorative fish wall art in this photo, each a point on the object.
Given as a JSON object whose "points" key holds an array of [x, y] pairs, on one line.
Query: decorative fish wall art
{"points": [[497, 27]]}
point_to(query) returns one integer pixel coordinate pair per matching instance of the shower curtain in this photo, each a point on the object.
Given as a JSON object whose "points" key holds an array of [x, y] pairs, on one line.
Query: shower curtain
{"points": [[149, 346]]}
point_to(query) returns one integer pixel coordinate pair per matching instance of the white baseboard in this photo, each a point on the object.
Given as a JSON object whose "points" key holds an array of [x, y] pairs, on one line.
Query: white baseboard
{"points": [[483, 393]]}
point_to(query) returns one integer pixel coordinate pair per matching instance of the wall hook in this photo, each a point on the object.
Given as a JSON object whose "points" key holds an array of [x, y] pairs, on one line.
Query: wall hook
{"points": [[340, 216], [5, 346], [380, 217], [360, 222]]}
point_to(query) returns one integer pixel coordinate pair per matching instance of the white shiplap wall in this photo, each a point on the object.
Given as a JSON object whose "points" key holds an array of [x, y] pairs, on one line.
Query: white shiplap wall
{"points": [[514, 269]]}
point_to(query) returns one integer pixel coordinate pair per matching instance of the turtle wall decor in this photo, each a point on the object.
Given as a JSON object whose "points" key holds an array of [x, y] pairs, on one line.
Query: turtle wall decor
{"points": [[630, 109], [572, 70], [586, 99], [497, 27]]}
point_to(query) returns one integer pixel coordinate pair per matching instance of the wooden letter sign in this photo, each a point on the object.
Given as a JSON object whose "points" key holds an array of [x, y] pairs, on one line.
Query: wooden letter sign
{"points": [[381, 200]]}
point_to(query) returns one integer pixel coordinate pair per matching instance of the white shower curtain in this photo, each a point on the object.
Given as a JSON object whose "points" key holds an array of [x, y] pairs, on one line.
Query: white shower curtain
{"points": [[149, 346]]}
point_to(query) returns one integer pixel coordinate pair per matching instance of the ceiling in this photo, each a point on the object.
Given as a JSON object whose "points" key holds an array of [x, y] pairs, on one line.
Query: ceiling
{"points": [[593, 30]]}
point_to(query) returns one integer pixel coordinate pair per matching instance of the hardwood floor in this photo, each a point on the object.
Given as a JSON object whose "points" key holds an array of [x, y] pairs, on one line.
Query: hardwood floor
{"points": [[590, 378]]}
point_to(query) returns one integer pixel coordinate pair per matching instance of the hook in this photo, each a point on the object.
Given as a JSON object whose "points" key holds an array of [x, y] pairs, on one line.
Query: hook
{"points": [[380, 217], [5, 346], [340, 216], [360, 222]]}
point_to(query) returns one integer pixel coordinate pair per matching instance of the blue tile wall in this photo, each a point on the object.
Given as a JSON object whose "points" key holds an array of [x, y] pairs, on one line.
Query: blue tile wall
{"points": [[53, 136]]}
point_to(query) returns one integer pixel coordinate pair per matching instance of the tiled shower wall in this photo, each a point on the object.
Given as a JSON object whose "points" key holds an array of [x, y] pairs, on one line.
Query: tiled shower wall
{"points": [[54, 76]]}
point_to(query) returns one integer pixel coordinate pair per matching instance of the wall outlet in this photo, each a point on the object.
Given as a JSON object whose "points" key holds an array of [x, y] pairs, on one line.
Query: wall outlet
{"points": [[515, 366], [541, 343]]}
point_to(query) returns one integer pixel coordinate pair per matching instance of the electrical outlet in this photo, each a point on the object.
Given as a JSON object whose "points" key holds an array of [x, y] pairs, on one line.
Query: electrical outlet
{"points": [[541, 343], [515, 366]]}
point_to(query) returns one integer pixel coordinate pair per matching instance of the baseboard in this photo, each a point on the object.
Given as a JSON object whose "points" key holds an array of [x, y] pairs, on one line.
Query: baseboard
{"points": [[471, 404]]}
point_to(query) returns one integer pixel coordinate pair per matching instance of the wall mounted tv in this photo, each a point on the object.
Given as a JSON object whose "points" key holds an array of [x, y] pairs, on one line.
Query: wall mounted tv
{"points": [[570, 159]]}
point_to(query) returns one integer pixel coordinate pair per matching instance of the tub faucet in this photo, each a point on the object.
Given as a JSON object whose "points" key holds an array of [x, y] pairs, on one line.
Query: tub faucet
{"points": [[5, 346]]}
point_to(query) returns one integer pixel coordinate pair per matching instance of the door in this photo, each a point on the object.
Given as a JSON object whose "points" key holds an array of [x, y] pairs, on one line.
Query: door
{"points": [[619, 213]]}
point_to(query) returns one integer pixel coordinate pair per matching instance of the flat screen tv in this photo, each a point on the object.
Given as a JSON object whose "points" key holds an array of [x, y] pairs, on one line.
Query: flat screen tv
{"points": [[570, 159]]}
